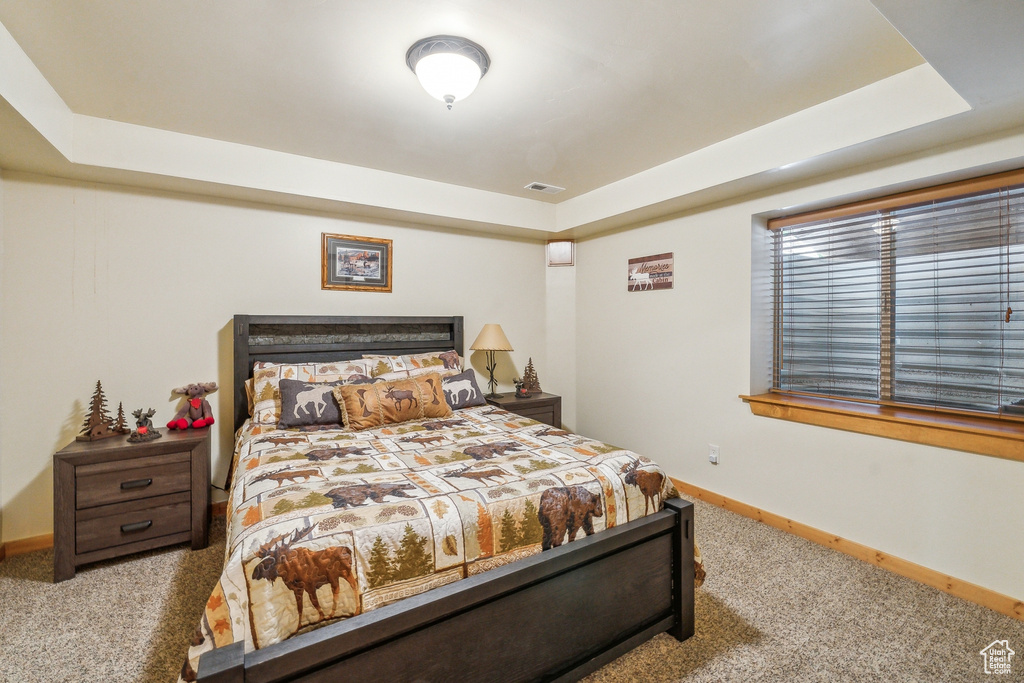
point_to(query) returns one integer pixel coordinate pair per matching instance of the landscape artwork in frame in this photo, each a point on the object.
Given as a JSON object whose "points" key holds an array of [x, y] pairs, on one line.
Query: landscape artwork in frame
{"points": [[650, 273], [355, 263]]}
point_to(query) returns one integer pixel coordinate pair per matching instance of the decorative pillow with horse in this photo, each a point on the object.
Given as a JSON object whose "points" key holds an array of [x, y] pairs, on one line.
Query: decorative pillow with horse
{"points": [[373, 405]]}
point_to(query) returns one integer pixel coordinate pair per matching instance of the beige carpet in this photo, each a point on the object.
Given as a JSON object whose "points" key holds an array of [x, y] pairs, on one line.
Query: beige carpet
{"points": [[774, 608]]}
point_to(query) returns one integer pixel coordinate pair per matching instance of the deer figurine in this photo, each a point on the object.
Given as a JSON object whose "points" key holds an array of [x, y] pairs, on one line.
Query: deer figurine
{"points": [[144, 430], [649, 483]]}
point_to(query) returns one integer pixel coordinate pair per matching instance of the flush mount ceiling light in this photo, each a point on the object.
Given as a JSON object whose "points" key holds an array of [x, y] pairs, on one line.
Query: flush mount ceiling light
{"points": [[448, 67]]}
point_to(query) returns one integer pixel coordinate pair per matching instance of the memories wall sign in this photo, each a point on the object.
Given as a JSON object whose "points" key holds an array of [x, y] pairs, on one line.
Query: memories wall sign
{"points": [[650, 273]]}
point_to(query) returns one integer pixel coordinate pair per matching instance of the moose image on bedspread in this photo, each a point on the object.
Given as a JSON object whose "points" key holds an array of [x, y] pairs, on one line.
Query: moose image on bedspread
{"points": [[333, 523]]}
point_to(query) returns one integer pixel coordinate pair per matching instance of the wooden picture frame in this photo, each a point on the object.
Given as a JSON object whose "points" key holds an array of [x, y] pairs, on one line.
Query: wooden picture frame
{"points": [[350, 262]]}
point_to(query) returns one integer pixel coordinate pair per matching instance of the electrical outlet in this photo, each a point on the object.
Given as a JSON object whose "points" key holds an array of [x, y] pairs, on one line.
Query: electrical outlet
{"points": [[712, 454]]}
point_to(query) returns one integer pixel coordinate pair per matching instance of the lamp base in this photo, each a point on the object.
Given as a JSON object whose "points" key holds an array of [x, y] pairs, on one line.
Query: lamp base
{"points": [[492, 384]]}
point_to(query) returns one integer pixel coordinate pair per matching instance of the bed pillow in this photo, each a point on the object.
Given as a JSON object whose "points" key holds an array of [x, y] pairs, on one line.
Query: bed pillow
{"points": [[443, 362], [373, 405], [308, 403], [462, 391], [412, 372], [267, 379]]}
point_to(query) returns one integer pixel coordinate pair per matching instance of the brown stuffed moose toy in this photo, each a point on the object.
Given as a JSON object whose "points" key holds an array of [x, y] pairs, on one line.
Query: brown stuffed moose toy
{"points": [[196, 412]]}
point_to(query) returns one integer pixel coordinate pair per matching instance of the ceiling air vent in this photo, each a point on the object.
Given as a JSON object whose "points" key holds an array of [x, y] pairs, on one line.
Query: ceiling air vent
{"points": [[544, 187]]}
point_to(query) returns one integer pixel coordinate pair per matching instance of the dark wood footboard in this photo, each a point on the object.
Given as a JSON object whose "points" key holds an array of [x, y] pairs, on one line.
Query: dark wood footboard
{"points": [[555, 616]]}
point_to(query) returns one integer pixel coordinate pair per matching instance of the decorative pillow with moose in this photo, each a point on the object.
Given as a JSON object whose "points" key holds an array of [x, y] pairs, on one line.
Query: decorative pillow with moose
{"points": [[308, 403], [380, 403], [462, 391]]}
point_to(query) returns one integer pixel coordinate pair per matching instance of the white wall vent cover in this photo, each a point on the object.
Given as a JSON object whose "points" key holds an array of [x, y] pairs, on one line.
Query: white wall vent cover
{"points": [[544, 187]]}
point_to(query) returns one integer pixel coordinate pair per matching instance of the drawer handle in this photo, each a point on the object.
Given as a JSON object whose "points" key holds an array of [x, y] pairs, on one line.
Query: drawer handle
{"points": [[136, 526], [136, 484]]}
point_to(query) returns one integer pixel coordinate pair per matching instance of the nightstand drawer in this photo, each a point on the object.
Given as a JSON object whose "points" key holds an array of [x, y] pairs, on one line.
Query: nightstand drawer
{"points": [[546, 414], [546, 408], [116, 525], [119, 481]]}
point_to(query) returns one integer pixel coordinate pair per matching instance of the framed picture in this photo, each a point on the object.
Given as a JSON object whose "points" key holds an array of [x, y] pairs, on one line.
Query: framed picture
{"points": [[650, 272], [356, 263]]}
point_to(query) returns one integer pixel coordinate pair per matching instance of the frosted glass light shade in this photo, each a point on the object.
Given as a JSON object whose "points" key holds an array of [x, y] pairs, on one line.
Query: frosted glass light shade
{"points": [[448, 77], [448, 67]]}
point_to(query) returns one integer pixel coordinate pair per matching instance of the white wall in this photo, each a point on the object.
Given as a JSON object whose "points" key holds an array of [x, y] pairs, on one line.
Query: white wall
{"points": [[558, 375], [1, 363], [660, 372], [137, 289]]}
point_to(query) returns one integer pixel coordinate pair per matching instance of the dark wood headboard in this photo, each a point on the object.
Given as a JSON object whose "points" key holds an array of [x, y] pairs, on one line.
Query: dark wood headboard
{"points": [[310, 338]]}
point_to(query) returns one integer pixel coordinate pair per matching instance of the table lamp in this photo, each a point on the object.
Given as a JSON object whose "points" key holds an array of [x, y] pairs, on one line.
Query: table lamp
{"points": [[491, 339]]}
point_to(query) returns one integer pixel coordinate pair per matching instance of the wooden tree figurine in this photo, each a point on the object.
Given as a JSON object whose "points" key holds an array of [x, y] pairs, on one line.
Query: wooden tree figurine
{"points": [[120, 423], [98, 424], [530, 381]]}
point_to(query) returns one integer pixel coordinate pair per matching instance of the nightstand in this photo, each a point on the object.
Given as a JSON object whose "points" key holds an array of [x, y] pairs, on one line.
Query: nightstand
{"points": [[113, 498], [542, 407]]}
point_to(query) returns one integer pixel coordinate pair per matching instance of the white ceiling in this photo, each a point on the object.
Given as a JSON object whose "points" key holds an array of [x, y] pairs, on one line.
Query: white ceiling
{"points": [[584, 94]]}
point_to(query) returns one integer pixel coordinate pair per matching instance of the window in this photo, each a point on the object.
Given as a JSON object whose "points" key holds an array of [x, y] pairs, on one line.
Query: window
{"points": [[913, 301], [910, 304]]}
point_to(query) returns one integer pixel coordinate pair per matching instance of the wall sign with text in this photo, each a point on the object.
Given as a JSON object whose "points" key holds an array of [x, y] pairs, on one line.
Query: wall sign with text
{"points": [[650, 272]]}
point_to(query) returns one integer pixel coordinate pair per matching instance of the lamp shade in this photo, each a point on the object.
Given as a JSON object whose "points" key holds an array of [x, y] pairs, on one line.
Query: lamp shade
{"points": [[491, 338]]}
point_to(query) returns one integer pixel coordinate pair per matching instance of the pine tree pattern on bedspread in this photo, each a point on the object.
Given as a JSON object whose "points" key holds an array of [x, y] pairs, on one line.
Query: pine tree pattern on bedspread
{"points": [[329, 524]]}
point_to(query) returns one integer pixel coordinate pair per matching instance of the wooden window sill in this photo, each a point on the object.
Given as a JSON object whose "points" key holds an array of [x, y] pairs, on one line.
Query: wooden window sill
{"points": [[974, 434]]}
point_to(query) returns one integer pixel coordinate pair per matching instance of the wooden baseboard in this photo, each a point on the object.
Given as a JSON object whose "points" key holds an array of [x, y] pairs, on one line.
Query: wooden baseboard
{"points": [[997, 602], [26, 545], [219, 509]]}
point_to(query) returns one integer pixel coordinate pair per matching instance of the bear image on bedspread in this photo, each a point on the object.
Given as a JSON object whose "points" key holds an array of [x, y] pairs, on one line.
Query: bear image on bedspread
{"points": [[321, 454], [357, 494], [491, 450], [567, 508]]}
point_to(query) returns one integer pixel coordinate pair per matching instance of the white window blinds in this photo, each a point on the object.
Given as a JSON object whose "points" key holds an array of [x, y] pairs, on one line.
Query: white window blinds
{"points": [[919, 303]]}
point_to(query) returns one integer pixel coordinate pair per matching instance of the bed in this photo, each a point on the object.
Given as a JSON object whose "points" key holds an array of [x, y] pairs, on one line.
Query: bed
{"points": [[467, 545]]}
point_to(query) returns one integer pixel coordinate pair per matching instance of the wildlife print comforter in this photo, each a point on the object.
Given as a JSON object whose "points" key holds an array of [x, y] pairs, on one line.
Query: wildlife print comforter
{"points": [[329, 524]]}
